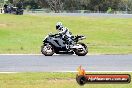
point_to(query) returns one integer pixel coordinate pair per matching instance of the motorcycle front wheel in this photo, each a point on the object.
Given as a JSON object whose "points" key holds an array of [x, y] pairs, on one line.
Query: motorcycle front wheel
{"points": [[83, 51], [47, 50]]}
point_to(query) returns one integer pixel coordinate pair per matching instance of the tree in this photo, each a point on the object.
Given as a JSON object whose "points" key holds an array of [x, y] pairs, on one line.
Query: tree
{"points": [[92, 5], [129, 5], [56, 5], [43, 3]]}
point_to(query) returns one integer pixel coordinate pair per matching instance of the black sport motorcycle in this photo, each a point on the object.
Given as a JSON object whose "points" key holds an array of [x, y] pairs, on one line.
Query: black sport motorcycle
{"points": [[13, 10], [54, 43]]}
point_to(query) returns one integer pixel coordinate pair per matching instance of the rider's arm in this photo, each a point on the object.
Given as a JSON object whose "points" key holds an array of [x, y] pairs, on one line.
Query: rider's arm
{"points": [[63, 30]]}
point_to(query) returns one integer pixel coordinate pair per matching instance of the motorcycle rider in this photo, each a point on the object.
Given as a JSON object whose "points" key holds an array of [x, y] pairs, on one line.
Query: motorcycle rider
{"points": [[66, 34], [5, 8]]}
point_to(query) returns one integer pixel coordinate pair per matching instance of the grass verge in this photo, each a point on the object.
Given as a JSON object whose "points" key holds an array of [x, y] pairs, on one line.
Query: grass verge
{"points": [[49, 80], [24, 34]]}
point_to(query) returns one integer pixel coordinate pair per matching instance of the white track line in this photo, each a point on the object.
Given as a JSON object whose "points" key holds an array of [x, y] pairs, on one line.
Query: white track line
{"points": [[56, 54], [72, 72], [97, 71], [94, 71], [25, 54], [21, 54]]}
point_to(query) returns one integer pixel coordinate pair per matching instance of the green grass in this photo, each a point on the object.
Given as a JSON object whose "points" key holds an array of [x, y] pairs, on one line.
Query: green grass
{"points": [[24, 34], [49, 80]]}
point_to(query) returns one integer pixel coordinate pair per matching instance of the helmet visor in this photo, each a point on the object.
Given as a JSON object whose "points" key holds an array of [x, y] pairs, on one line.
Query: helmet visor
{"points": [[57, 27]]}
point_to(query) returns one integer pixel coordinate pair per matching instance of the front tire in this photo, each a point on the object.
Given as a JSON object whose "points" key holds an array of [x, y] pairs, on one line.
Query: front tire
{"points": [[47, 50], [82, 52]]}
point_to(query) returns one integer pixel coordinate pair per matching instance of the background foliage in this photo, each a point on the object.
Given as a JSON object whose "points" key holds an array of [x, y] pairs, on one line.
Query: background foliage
{"points": [[91, 5]]}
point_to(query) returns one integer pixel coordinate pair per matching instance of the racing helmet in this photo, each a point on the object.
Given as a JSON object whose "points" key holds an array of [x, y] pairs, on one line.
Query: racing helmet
{"points": [[59, 26]]}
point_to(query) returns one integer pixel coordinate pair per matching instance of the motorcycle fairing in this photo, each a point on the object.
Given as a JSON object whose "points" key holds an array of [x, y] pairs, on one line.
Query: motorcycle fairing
{"points": [[58, 43]]}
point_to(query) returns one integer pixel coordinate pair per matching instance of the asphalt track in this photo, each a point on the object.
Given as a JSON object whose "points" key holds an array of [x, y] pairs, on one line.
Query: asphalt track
{"points": [[84, 14], [58, 63]]}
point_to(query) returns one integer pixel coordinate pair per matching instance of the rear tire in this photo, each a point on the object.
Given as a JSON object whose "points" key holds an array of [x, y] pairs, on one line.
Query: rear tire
{"points": [[82, 52], [47, 50]]}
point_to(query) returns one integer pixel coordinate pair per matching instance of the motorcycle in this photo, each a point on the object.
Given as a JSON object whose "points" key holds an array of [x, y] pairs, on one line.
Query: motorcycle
{"points": [[54, 43], [13, 10]]}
